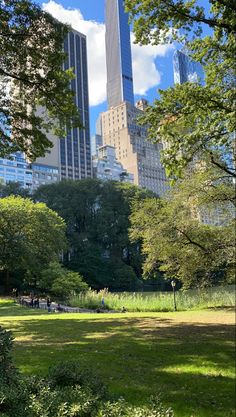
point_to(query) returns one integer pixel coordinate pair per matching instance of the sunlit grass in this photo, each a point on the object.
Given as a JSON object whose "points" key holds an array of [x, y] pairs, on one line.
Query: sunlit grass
{"points": [[188, 356]]}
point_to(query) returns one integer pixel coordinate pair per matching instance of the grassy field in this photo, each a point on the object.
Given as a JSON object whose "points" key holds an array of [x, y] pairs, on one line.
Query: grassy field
{"points": [[188, 356], [157, 301]]}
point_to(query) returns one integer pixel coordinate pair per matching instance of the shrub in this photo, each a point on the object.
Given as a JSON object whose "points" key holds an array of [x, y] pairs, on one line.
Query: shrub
{"points": [[121, 409], [7, 369], [71, 374], [70, 283], [61, 282]]}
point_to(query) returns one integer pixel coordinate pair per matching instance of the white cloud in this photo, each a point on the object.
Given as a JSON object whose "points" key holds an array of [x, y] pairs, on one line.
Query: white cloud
{"points": [[145, 73]]}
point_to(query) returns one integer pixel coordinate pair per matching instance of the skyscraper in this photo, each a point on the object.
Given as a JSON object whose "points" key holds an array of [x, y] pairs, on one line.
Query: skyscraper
{"points": [[186, 70], [118, 55], [72, 154], [120, 128]]}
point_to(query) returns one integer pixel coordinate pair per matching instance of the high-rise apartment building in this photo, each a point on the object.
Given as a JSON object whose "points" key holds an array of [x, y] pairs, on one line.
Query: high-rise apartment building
{"points": [[186, 70], [16, 169], [138, 156], [71, 155], [118, 55]]}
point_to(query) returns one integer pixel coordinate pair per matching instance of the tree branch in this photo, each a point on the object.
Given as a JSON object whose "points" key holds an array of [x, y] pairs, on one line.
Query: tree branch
{"points": [[209, 22], [192, 241]]}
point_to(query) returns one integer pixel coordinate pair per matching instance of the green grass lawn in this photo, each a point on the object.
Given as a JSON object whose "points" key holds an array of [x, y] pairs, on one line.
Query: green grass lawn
{"points": [[187, 356]]}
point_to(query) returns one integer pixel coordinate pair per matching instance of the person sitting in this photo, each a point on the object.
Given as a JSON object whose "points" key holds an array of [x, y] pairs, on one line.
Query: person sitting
{"points": [[59, 307], [123, 310]]}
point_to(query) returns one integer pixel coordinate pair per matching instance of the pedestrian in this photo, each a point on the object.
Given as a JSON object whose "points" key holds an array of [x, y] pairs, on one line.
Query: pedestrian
{"points": [[36, 302], [31, 302], [49, 304], [103, 302]]}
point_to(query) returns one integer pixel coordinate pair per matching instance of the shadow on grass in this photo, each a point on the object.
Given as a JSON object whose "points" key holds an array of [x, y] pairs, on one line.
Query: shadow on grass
{"points": [[191, 364]]}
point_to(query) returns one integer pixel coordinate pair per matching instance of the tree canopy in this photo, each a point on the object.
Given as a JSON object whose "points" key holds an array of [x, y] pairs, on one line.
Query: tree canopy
{"points": [[193, 120], [97, 218], [31, 236], [32, 78], [187, 235]]}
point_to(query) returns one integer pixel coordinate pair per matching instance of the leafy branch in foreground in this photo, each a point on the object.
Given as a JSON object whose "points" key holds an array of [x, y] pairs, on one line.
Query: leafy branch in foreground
{"points": [[35, 94], [193, 120]]}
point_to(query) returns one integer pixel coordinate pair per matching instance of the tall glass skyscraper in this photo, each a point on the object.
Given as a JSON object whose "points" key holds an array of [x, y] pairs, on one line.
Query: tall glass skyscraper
{"points": [[186, 70], [75, 148], [71, 155], [118, 55]]}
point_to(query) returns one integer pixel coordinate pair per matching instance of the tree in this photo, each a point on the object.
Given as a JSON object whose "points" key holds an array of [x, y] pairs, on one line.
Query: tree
{"points": [[31, 236], [13, 188], [193, 121], [97, 218], [32, 77], [175, 239], [61, 282]]}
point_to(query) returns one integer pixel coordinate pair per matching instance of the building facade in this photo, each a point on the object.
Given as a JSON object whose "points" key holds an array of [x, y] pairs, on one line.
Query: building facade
{"points": [[16, 169], [118, 55], [71, 155], [44, 175], [107, 167], [138, 156], [186, 70]]}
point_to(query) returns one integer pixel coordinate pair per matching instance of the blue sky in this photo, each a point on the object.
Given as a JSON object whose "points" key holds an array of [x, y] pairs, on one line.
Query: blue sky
{"points": [[152, 66]]}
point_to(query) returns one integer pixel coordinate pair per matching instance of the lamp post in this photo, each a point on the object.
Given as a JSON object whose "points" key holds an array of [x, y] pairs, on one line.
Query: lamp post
{"points": [[173, 284]]}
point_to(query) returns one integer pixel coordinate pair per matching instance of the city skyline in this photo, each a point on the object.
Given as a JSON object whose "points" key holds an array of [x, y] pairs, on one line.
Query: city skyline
{"points": [[152, 65]]}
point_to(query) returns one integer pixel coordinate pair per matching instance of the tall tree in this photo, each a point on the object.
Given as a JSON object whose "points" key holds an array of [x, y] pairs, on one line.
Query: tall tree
{"points": [[97, 218], [193, 120], [176, 238], [31, 236], [31, 77]]}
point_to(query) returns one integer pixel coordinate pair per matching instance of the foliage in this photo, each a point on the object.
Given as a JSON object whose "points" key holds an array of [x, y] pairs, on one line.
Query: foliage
{"points": [[35, 97], [174, 233], [6, 365], [97, 218], [70, 283], [31, 235], [192, 120], [61, 282], [121, 409], [13, 188], [71, 373]]}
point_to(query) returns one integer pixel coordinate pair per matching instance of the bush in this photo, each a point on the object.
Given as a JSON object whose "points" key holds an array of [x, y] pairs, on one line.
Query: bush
{"points": [[70, 283], [61, 282], [7, 369], [121, 409], [70, 374]]}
